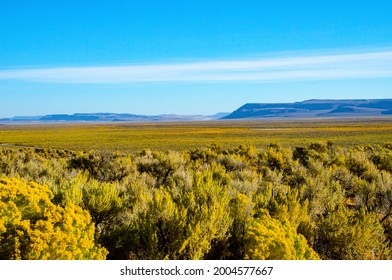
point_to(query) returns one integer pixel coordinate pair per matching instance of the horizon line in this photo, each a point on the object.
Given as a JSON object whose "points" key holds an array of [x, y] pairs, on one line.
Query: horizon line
{"points": [[203, 115]]}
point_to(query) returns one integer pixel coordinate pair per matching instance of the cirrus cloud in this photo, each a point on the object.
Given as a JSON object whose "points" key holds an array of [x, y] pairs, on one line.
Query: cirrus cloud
{"points": [[376, 64]]}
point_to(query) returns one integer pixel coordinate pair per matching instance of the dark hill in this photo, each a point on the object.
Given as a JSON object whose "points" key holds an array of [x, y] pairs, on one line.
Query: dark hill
{"points": [[315, 108]]}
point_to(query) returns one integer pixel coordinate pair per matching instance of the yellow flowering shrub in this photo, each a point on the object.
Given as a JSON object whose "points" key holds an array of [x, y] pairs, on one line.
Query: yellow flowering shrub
{"points": [[33, 228], [271, 239]]}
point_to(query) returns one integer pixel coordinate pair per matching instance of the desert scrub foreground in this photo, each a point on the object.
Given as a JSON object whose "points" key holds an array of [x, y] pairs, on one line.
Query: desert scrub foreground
{"points": [[315, 201]]}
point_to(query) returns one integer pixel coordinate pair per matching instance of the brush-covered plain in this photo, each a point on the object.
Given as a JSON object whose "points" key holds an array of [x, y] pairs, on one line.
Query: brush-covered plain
{"points": [[130, 137], [222, 190]]}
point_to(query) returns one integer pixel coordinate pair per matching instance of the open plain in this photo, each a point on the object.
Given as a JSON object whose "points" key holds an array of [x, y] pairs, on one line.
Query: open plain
{"points": [[131, 137]]}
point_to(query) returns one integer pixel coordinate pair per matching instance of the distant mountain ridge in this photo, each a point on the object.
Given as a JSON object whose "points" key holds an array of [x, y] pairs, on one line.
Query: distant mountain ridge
{"points": [[315, 108], [107, 117]]}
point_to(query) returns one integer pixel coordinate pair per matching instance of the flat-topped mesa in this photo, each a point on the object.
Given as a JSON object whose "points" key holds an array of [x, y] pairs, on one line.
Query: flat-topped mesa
{"points": [[315, 108]]}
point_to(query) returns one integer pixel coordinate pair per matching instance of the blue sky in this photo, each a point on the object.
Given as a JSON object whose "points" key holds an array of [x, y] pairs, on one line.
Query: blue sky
{"points": [[189, 57]]}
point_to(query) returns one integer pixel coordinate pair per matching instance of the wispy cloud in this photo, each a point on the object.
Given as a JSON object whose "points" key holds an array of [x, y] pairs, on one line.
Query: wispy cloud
{"points": [[376, 64]]}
